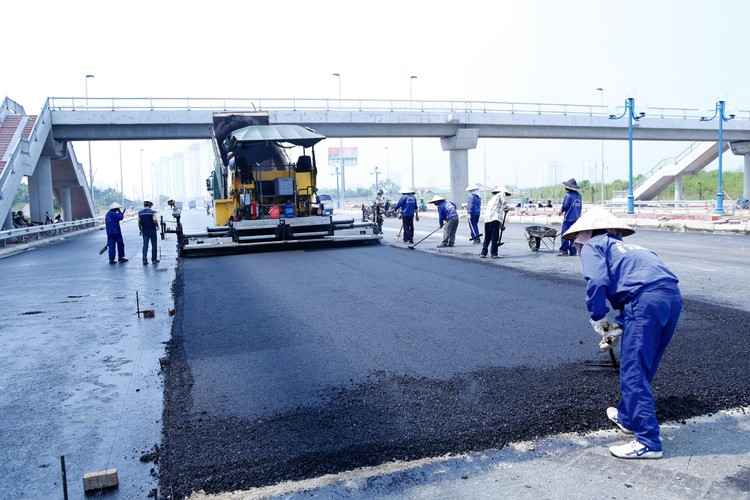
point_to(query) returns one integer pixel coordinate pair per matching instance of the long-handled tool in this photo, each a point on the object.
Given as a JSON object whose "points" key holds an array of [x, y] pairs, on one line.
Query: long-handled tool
{"points": [[500, 241], [103, 249], [398, 236], [411, 247]]}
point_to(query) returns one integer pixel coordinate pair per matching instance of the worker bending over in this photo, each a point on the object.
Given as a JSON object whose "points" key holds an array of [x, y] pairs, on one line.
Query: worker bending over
{"points": [[639, 285]]}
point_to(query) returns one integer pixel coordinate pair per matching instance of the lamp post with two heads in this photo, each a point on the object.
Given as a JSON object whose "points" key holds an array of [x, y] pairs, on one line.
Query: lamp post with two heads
{"points": [[632, 115], [721, 114]]}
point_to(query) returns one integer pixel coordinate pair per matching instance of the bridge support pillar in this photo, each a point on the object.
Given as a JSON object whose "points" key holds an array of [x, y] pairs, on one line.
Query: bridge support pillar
{"points": [[743, 148], [677, 187], [63, 193], [40, 191], [459, 146]]}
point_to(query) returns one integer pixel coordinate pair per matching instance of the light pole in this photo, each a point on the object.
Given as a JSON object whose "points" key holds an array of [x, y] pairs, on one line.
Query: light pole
{"points": [[602, 182], [632, 115], [341, 152], [411, 103], [338, 193], [143, 196], [376, 172], [122, 186], [719, 112], [91, 168]]}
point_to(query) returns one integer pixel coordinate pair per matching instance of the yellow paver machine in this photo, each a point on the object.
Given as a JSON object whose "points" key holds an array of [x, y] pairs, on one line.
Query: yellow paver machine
{"points": [[262, 200]]}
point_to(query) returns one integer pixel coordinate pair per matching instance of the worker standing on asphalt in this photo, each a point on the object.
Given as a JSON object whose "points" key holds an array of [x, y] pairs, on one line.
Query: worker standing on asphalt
{"points": [[148, 224], [114, 234], [447, 219], [638, 283], [493, 219], [474, 210], [409, 211], [571, 207]]}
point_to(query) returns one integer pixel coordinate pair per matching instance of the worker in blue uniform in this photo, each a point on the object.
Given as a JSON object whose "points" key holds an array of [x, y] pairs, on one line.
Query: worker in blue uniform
{"points": [[409, 212], [474, 210], [637, 283], [571, 207], [447, 219], [114, 234], [148, 224]]}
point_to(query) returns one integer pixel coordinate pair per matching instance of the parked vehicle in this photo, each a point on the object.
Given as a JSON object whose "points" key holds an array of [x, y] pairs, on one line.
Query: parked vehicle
{"points": [[326, 203]]}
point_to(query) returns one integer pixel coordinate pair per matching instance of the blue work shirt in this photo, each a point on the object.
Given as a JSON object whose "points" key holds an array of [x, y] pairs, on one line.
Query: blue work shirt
{"points": [[618, 271], [112, 222], [408, 205], [474, 205], [146, 219], [571, 206], [446, 210]]}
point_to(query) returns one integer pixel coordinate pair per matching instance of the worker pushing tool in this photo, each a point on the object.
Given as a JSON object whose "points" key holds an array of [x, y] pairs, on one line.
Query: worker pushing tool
{"points": [[474, 210], [638, 283]]}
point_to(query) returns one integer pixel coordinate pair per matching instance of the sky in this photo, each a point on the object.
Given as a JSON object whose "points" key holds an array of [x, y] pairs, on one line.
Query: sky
{"points": [[667, 53]]}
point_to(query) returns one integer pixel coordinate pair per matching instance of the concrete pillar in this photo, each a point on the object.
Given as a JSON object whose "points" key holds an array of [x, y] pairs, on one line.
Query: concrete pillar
{"points": [[677, 188], [459, 146], [40, 191], [743, 148], [64, 194]]}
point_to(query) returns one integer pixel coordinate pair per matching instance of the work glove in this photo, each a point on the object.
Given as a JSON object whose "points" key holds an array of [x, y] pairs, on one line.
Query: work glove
{"points": [[506, 208], [615, 331], [601, 326], [608, 343]]}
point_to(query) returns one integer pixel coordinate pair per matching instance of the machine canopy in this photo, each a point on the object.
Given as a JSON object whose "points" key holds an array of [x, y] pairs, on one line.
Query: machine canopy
{"points": [[292, 134]]}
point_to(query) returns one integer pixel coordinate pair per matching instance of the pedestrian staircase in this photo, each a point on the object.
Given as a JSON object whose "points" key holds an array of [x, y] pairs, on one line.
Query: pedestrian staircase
{"points": [[23, 140], [694, 158]]}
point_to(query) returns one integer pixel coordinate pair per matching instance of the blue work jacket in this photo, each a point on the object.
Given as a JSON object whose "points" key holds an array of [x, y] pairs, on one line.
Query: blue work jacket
{"points": [[408, 205], [571, 206], [617, 271], [446, 210], [112, 222], [474, 205]]}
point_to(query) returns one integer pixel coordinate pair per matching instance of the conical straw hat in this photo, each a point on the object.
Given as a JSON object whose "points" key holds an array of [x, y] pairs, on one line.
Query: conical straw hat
{"points": [[437, 199], [597, 218]]}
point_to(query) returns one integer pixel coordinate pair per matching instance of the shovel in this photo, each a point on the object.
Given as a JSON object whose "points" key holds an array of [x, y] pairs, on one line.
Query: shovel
{"points": [[103, 249], [502, 228]]}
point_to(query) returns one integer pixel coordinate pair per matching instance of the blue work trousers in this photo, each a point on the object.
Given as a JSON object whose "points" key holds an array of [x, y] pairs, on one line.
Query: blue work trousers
{"points": [[149, 237], [650, 319], [567, 246], [474, 226], [115, 240]]}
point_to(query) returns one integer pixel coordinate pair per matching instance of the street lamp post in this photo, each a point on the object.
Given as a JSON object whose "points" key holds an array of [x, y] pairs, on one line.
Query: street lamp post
{"points": [[632, 115], [91, 168], [720, 113], [602, 180], [376, 172], [143, 196], [338, 193], [411, 103], [341, 152]]}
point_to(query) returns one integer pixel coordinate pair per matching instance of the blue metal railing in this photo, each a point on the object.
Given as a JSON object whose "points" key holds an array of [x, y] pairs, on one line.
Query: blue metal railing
{"points": [[402, 105]]}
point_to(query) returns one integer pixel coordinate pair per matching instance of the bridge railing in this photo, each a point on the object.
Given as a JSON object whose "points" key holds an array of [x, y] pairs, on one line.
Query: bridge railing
{"points": [[402, 105], [25, 234]]}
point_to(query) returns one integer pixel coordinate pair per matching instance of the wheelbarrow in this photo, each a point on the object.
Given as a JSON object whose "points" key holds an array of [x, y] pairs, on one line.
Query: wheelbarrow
{"points": [[538, 235]]}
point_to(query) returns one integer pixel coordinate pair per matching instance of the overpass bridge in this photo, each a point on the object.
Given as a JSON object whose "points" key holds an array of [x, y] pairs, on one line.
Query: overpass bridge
{"points": [[458, 125]]}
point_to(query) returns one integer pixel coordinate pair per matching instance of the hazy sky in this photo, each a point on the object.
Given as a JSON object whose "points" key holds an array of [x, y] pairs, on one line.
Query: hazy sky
{"points": [[672, 53]]}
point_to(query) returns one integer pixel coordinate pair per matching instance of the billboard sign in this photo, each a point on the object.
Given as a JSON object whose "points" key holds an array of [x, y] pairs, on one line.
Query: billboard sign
{"points": [[349, 155]]}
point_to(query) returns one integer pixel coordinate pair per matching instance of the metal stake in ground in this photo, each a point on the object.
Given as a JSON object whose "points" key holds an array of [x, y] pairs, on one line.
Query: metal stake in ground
{"points": [[411, 247]]}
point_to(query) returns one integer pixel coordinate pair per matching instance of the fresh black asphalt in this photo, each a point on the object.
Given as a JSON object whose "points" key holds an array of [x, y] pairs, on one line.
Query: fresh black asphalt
{"points": [[290, 365]]}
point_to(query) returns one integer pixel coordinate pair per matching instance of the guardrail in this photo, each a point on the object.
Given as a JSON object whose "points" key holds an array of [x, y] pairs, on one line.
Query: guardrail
{"points": [[403, 105], [26, 234]]}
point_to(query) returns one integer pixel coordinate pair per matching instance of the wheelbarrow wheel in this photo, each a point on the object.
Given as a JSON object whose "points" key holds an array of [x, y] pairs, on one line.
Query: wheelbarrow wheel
{"points": [[534, 243]]}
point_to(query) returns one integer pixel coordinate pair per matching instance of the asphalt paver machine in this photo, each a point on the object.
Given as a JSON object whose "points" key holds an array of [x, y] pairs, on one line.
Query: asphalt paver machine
{"points": [[262, 200]]}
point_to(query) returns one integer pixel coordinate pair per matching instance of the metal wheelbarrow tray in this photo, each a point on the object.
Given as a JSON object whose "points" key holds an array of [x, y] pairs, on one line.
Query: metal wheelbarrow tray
{"points": [[538, 235]]}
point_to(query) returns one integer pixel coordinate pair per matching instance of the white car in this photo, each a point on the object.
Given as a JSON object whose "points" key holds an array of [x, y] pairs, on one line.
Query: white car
{"points": [[327, 203]]}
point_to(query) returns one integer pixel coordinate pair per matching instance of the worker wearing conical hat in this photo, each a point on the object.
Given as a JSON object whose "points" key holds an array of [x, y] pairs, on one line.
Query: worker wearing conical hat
{"points": [[474, 210], [571, 207], [637, 283], [447, 219], [494, 216]]}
